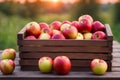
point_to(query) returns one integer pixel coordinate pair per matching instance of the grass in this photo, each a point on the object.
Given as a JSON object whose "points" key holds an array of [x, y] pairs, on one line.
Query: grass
{"points": [[116, 33], [9, 27]]}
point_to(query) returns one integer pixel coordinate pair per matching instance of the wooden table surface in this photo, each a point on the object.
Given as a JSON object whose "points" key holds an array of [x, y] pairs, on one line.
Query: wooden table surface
{"points": [[36, 75]]}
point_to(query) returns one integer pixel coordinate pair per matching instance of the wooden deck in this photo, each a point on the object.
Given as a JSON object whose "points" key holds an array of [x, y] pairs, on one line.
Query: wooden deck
{"points": [[36, 75]]}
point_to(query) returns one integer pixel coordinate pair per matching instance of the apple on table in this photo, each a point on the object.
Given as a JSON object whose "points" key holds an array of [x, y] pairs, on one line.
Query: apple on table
{"points": [[62, 65], [99, 66], [45, 64], [8, 53], [7, 66]]}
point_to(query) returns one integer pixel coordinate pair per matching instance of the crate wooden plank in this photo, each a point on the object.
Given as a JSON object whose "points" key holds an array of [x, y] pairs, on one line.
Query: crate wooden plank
{"points": [[81, 63], [109, 32], [68, 42], [82, 56], [21, 34], [65, 49], [74, 68]]}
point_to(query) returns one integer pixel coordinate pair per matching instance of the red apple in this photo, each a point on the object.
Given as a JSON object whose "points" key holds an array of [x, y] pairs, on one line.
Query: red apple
{"points": [[70, 32], [98, 35], [87, 36], [76, 24], [55, 25], [30, 37], [45, 64], [8, 53], [43, 25], [62, 65], [58, 36], [33, 28], [98, 66], [85, 25], [86, 16], [79, 36], [66, 22], [7, 66], [56, 32], [98, 26]]}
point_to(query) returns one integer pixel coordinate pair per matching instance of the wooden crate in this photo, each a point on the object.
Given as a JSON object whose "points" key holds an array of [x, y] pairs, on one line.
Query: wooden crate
{"points": [[81, 52]]}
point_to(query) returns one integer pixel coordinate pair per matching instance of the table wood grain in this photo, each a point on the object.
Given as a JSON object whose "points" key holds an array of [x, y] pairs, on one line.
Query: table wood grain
{"points": [[37, 75]]}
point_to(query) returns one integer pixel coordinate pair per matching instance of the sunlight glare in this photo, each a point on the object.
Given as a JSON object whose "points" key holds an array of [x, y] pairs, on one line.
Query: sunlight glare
{"points": [[55, 1]]}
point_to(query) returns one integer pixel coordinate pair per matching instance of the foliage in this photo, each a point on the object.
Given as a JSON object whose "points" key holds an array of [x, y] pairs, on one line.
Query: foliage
{"points": [[117, 13], [86, 7]]}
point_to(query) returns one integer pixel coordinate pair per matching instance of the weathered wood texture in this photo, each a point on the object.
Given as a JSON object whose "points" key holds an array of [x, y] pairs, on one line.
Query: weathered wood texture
{"points": [[73, 75], [79, 51]]}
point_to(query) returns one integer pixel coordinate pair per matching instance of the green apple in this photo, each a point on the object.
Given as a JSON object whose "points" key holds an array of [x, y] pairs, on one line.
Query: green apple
{"points": [[79, 36], [45, 64], [87, 36], [99, 66]]}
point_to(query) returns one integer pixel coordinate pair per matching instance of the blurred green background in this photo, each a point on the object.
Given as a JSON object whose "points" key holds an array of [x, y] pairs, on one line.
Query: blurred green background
{"points": [[14, 14]]}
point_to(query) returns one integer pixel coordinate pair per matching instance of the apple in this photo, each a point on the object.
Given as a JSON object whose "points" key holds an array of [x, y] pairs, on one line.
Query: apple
{"points": [[98, 35], [8, 53], [45, 64], [75, 23], [70, 32], [79, 36], [62, 65], [7, 66], [87, 36], [98, 26], [63, 26], [58, 36], [55, 25], [44, 36], [43, 25], [86, 16], [56, 32], [47, 30], [66, 21], [32, 28], [85, 25], [98, 66], [31, 37]]}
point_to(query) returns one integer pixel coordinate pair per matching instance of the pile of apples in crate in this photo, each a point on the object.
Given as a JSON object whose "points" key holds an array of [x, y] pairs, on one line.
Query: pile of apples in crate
{"points": [[85, 28]]}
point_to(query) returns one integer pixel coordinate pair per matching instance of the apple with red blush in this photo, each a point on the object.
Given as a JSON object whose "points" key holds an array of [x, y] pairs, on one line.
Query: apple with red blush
{"points": [[32, 28], [99, 35], [70, 32], [98, 26], [43, 25], [62, 65], [85, 25], [45, 64], [55, 25], [58, 36], [86, 16], [99, 66], [7, 66], [8, 53], [30, 37]]}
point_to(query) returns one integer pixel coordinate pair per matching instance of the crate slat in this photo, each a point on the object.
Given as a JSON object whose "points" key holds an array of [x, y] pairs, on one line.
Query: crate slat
{"points": [[65, 49], [64, 42], [82, 56]]}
